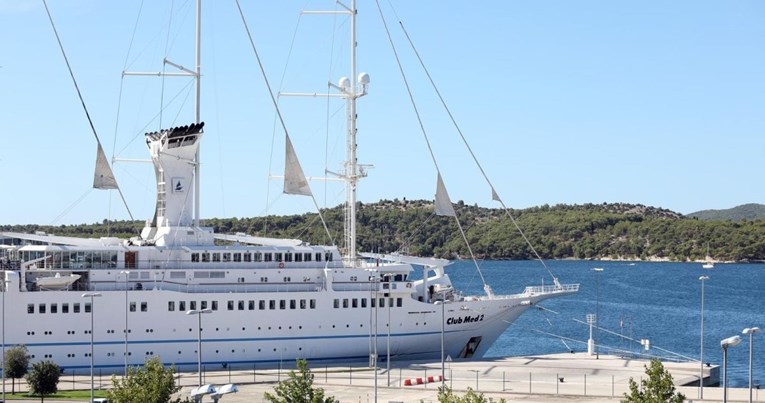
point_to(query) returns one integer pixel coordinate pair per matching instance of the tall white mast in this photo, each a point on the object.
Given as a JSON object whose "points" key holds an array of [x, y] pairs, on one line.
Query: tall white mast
{"points": [[350, 91], [198, 118], [351, 166]]}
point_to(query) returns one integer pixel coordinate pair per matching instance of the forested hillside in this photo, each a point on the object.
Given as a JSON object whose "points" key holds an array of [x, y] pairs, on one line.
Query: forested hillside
{"points": [[751, 211], [590, 231]]}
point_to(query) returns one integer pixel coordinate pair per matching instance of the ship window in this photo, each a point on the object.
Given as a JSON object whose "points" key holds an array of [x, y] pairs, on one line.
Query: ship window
{"points": [[302, 304], [144, 307], [240, 305], [205, 257], [272, 304], [264, 279], [345, 302], [41, 308], [230, 305], [287, 279], [53, 308], [307, 257], [170, 306], [64, 308], [261, 305], [195, 257], [313, 304], [216, 257], [203, 305], [132, 307], [293, 304], [258, 257], [282, 304], [288, 257], [278, 257], [267, 257], [328, 256], [373, 303], [251, 305], [30, 308], [355, 303], [76, 307], [181, 305], [363, 302], [399, 302], [298, 257], [217, 274], [318, 256], [201, 274], [87, 308], [237, 257], [192, 305], [227, 257], [382, 302], [177, 274], [214, 305], [247, 257]]}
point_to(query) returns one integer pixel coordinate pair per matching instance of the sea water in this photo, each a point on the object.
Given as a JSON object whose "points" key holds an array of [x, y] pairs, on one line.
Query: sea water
{"points": [[659, 302]]}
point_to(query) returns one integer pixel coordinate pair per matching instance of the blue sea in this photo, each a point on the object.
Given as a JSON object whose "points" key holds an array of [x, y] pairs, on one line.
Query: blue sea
{"points": [[660, 302]]}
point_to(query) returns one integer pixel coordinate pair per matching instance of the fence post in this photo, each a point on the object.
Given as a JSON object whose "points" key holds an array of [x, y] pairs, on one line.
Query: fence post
{"points": [[476, 381], [612, 386], [326, 371], [557, 385], [426, 379], [229, 373], [529, 381], [585, 384], [503, 381], [350, 374], [254, 371]]}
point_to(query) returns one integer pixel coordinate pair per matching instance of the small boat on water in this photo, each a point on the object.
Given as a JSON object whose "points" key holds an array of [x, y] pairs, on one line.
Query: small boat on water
{"points": [[708, 263]]}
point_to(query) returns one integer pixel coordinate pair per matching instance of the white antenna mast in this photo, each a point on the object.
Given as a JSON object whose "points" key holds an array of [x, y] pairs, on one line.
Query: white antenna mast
{"points": [[350, 91]]}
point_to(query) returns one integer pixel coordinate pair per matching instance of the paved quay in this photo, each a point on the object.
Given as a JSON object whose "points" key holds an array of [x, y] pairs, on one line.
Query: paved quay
{"points": [[545, 378]]}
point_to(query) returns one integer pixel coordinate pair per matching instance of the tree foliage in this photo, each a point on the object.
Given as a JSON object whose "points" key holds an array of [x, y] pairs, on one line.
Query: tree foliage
{"points": [[16, 364], [151, 383], [446, 395], [43, 379], [659, 387], [588, 231], [299, 388]]}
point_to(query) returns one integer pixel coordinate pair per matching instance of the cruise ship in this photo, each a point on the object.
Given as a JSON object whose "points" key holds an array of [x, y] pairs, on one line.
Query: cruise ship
{"points": [[178, 287]]}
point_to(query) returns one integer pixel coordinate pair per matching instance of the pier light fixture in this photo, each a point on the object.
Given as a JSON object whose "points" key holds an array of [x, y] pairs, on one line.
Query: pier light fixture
{"points": [[127, 278], [750, 331], [92, 296], [701, 354], [732, 341], [199, 313]]}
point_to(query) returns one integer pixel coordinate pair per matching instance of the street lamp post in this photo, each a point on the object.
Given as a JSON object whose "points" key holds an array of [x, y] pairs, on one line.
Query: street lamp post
{"points": [[597, 271], [701, 355], [390, 300], [199, 313], [725, 343], [127, 274], [92, 296], [750, 331], [443, 321], [5, 288]]}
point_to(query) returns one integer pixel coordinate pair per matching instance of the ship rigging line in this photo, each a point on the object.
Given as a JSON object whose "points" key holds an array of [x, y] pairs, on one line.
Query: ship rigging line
{"points": [[427, 141], [276, 106], [79, 94], [494, 194]]}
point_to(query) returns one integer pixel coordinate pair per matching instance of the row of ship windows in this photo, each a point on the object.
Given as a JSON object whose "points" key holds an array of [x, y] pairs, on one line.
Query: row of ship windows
{"points": [[260, 257], [64, 307], [362, 302], [242, 305]]}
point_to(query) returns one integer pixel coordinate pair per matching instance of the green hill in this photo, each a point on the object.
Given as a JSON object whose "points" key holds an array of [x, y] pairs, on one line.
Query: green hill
{"points": [[750, 212], [588, 231]]}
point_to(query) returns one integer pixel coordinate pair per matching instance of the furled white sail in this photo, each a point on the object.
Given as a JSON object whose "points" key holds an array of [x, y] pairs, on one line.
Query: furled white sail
{"points": [[494, 195], [103, 177], [295, 182], [443, 202]]}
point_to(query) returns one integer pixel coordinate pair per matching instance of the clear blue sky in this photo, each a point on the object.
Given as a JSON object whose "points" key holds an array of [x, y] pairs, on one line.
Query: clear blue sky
{"points": [[652, 102]]}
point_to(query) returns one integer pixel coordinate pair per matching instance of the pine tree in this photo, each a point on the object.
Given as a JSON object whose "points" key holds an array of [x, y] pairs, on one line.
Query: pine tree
{"points": [[659, 387]]}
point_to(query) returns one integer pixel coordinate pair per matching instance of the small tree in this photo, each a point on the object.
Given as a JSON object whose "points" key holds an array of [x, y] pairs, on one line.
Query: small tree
{"points": [[43, 380], [299, 388], [445, 395], [150, 383], [659, 387], [16, 364]]}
